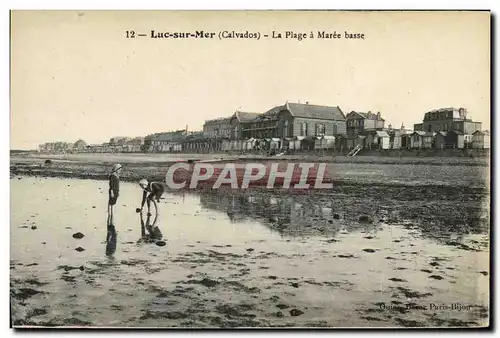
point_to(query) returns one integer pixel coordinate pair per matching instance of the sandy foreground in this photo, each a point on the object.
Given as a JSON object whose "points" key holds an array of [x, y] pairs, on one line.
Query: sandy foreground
{"points": [[391, 245]]}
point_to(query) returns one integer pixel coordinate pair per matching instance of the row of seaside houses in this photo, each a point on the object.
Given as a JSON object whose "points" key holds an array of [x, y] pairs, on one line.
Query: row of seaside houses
{"points": [[301, 127]]}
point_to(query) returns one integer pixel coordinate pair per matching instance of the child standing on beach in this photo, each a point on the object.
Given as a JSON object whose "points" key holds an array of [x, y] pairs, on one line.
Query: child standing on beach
{"points": [[114, 189]]}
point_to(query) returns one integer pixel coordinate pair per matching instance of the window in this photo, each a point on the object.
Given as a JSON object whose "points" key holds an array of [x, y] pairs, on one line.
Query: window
{"points": [[320, 129], [429, 127], [285, 129], [303, 131]]}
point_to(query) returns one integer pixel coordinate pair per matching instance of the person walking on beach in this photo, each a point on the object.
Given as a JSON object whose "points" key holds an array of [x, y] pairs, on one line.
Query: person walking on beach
{"points": [[151, 191], [114, 189]]}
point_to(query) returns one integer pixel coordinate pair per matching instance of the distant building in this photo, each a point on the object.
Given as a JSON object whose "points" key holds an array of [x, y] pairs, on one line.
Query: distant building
{"points": [[56, 147], [262, 126], [298, 119], [119, 140], [238, 120], [164, 142], [94, 148], [218, 128], [447, 119], [133, 145], [79, 145], [359, 122]]}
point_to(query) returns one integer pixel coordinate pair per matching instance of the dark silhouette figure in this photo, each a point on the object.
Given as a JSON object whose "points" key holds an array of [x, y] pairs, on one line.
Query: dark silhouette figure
{"points": [[111, 241], [149, 231]]}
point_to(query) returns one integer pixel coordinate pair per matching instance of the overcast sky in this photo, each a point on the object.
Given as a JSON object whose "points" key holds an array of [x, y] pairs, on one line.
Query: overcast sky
{"points": [[75, 75]]}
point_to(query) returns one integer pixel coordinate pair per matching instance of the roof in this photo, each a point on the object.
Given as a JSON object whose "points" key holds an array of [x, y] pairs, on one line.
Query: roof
{"points": [[445, 110], [169, 136], [369, 115], [271, 114], [456, 132], [245, 116], [218, 120], [399, 132], [313, 111], [443, 133], [480, 132], [418, 132], [381, 133]]}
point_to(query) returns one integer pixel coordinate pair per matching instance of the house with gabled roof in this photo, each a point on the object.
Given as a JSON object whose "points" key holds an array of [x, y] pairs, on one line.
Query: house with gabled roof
{"points": [[238, 121], [310, 120], [262, 126], [360, 122]]}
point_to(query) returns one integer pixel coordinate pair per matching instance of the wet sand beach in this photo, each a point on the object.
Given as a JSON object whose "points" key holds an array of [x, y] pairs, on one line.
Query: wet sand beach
{"points": [[391, 245]]}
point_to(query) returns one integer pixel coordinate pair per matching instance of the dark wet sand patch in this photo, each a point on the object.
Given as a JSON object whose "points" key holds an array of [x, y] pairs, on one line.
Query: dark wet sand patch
{"points": [[408, 293], [436, 277], [408, 322]]}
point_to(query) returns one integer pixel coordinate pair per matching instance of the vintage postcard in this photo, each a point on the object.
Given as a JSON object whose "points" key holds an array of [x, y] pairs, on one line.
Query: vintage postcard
{"points": [[263, 169]]}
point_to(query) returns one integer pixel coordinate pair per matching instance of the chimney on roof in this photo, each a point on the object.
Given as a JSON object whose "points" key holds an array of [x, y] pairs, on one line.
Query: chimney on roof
{"points": [[402, 126], [307, 102], [378, 115], [463, 113]]}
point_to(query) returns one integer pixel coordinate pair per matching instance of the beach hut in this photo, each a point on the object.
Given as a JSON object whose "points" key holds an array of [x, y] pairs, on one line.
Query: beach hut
{"points": [[382, 139], [286, 142], [455, 139], [422, 140], [440, 142], [177, 147], [359, 140], [274, 143], [377, 139], [226, 144], [295, 143], [481, 139], [324, 142], [249, 144]]}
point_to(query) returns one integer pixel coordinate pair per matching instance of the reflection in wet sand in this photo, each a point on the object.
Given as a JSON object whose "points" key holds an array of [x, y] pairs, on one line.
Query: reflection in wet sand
{"points": [[150, 232], [310, 214], [111, 241]]}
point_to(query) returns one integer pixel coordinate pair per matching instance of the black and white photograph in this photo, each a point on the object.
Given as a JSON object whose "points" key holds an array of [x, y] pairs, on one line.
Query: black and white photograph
{"points": [[250, 169]]}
